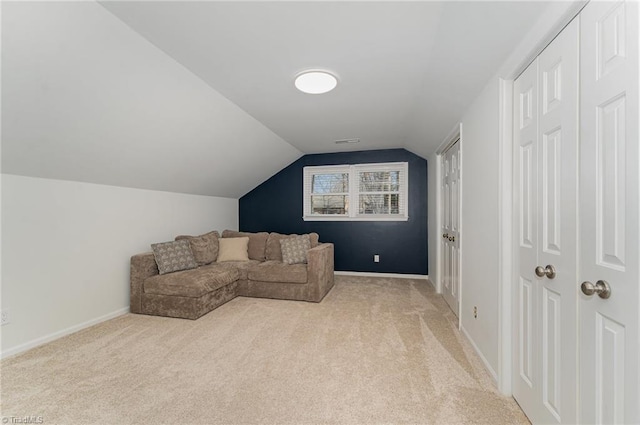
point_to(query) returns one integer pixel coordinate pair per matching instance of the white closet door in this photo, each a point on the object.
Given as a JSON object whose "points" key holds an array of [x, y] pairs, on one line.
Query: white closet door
{"points": [[546, 165], [451, 226], [609, 222], [558, 78], [526, 315]]}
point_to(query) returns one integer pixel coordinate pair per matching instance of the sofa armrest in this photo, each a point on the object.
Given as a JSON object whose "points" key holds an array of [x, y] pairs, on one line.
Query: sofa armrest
{"points": [[143, 266], [320, 271]]}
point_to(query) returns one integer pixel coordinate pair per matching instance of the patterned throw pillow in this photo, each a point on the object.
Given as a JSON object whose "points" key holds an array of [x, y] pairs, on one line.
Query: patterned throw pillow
{"points": [[173, 256], [294, 249]]}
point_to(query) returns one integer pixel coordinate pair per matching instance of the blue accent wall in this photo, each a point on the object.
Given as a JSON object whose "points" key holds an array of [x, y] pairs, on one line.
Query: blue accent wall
{"points": [[276, 206]]}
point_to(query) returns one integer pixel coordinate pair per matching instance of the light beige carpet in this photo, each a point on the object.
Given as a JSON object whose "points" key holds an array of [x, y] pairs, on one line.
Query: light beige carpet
{"points": [[374, 351]]}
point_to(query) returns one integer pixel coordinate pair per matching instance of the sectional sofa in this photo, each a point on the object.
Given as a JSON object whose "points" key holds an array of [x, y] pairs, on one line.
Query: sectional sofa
{"points": [[189, 294]]}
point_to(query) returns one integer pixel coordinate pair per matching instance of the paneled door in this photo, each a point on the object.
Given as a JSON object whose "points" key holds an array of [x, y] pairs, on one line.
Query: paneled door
{"points": [[545, 294], [451, 226], [609, 219]]}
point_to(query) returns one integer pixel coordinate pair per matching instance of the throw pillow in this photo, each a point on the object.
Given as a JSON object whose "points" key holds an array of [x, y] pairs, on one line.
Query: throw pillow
{"points": [[233, 249], [257, 242], [173, 256], [204, 247], [294, 249]]}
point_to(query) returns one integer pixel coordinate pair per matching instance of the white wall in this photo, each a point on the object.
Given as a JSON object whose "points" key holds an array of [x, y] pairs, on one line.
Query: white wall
{"points": [[480, 227], [66, 249], [479, 146]]}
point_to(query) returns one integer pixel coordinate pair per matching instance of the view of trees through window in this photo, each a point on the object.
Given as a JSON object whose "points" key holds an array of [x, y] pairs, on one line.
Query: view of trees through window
{"points": [[330, 193], [378, 193]]}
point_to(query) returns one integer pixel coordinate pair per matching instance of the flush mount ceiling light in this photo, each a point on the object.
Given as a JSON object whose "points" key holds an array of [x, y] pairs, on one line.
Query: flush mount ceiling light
{"points": [[315, 82]]}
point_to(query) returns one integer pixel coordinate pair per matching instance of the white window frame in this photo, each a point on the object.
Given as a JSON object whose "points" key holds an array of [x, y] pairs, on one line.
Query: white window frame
{"points": [[354, 191]]}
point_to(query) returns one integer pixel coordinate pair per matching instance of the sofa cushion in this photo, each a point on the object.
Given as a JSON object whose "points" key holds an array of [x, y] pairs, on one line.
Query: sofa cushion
{"points": [[294, 249], [257, 242], [274, 251], [173, 256], [242, 267], [233, 249], [190, 283], [204, 247], [277, 271]]}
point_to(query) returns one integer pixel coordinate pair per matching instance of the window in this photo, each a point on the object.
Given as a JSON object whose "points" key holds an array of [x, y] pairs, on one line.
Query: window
{"points": [[356, 192]]}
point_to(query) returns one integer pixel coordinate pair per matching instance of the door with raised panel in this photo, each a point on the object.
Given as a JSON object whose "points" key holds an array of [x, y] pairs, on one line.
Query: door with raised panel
{"points": [[609, 219], [451, 226], [545, 294]]}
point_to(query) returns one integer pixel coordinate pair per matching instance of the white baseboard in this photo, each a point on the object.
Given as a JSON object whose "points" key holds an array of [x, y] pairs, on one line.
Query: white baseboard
{"points": [[396, 275], [56, 335], [491, 371]]}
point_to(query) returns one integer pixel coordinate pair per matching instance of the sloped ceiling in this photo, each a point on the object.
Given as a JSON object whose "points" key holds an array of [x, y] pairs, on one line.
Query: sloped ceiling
{"points": [[198, 97], [407, 70], [85, 98]]}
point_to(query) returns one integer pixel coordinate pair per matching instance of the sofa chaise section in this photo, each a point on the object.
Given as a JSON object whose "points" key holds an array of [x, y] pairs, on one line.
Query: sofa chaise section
{"points": [[186, 294]]}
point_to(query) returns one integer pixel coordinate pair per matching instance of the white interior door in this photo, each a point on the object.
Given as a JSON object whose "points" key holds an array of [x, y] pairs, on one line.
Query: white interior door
{"points": [[450, 247], [609, 222], [525, 196], [545, 297]]}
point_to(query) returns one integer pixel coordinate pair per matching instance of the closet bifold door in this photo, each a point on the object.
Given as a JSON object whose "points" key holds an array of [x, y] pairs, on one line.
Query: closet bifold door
{"points": [[609, 276], [545, 172], [451, 226]]}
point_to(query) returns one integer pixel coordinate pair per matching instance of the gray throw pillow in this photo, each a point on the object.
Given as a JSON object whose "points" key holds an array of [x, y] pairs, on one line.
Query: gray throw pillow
{"points": [[204, 247], [173, 256], [294, 249]]}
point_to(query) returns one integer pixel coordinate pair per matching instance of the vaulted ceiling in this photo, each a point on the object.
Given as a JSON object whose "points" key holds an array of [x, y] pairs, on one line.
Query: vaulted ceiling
{"points": [[198, 97]]}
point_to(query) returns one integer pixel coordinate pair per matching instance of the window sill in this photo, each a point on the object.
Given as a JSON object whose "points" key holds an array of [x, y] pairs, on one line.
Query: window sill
{"points": [[330, 218]]}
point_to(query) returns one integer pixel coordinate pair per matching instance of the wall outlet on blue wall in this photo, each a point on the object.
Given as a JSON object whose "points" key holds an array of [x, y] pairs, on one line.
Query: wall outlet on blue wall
{"points": [[376, 258]]}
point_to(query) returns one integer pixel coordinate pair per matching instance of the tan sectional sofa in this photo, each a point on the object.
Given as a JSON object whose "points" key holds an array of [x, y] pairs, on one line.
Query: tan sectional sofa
{"points": [[192, 293]]}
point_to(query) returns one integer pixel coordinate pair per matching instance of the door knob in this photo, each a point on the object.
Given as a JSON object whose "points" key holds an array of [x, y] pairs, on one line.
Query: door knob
{"points": [[601, 288], [445, 235], [548, 271], [452, 238]]}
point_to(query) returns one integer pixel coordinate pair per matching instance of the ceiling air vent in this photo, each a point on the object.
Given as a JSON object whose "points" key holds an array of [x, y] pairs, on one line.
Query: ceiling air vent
{"points": [[341, 142]]}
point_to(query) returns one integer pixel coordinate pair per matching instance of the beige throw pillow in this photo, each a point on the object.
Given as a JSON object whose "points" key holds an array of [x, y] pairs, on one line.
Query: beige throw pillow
{"points": [[233, 249], [294, 249]]}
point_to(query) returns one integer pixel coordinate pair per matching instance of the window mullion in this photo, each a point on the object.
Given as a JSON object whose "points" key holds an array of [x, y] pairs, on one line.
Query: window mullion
{"points": [[354, 199]]}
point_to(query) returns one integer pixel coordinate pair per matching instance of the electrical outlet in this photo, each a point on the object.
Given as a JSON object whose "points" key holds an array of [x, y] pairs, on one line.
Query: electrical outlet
{"points": [[376, 258], [475, 312], [4, 315]]}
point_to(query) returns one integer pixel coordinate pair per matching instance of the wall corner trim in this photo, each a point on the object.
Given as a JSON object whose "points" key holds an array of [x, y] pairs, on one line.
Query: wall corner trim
{"points": [[57, 335], [393, 275]]}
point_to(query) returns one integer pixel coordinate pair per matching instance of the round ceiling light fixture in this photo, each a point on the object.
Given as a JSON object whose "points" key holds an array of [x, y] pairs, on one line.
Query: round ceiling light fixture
{"points": [[315, 81]]}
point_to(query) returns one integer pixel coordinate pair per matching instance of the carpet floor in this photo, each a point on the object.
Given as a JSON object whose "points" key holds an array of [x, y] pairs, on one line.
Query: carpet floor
{"points": [[374, 351]]}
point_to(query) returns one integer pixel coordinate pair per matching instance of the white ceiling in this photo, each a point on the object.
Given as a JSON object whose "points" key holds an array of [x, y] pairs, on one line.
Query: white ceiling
{"points": [[407, 70], [198, 97]]}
